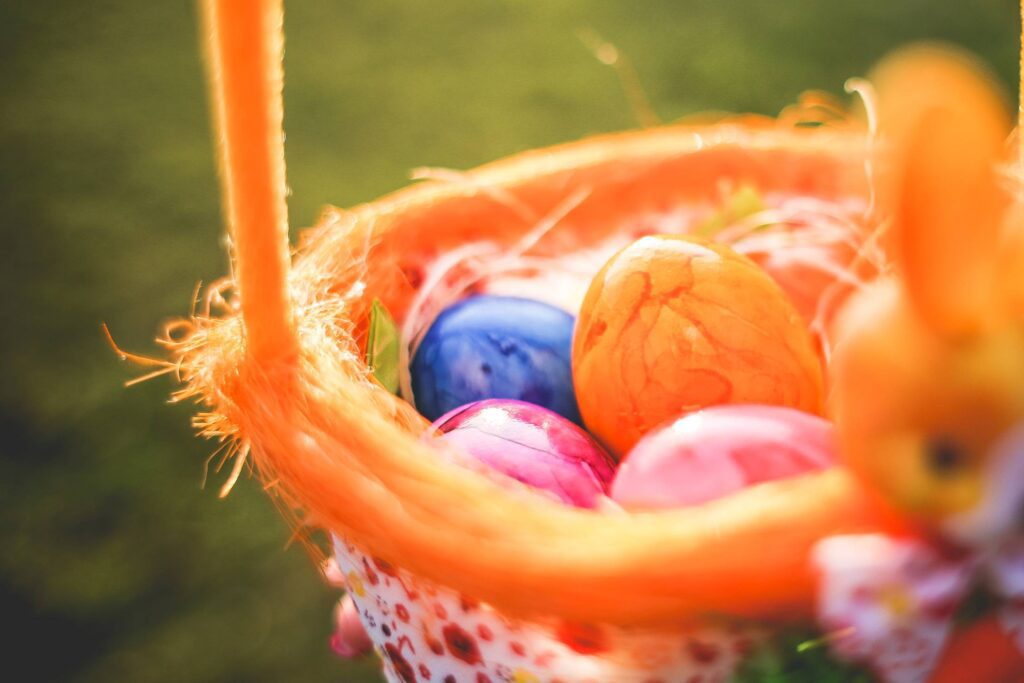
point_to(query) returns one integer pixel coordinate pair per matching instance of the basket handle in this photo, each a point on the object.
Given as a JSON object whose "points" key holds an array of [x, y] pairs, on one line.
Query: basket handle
{"points": [[244, 40]]}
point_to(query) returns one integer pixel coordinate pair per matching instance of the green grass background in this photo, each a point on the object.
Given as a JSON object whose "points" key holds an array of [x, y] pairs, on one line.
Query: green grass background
{"points": [[114, 564]]}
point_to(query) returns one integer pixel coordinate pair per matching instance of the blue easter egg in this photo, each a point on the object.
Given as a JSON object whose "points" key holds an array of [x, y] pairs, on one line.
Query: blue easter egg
{"points": [[495, 347]]}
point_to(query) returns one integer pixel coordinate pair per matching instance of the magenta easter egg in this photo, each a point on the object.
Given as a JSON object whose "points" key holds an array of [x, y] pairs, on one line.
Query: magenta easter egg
{"points": [[532, 445], [719, 450]]}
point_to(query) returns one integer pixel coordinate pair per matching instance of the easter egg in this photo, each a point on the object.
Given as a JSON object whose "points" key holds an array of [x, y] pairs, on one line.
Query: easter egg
{"points": [[674, 324], [349, 639], [532, 445], [716, 451], [495, 347]]}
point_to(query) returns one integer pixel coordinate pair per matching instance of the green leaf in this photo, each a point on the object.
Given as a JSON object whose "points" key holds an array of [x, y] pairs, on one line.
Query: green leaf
{"points": [[382, 347], [745, 201], [797, 656]]}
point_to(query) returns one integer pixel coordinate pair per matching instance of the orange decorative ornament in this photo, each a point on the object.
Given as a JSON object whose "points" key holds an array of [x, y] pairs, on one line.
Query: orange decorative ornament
{"points": [[674, 324]]}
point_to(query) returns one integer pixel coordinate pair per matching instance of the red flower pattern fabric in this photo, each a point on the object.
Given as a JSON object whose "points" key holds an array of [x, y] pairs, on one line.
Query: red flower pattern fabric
{"points": [[427, 634]]}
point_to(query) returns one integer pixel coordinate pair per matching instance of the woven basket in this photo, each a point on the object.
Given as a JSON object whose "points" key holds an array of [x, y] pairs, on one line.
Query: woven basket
{"points": [[314, 436], [458, 574]]}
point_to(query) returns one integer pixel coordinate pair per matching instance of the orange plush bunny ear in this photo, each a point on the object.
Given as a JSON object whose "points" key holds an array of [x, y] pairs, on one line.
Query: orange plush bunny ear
{"points": [[947, 125]]}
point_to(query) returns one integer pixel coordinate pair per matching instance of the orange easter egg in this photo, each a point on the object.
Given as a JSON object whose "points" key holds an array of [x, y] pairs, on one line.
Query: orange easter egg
{"points": [[674, 324]]}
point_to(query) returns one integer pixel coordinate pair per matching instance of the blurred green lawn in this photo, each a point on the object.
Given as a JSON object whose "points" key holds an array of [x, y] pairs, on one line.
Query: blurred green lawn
{"points": [[116, 565]]}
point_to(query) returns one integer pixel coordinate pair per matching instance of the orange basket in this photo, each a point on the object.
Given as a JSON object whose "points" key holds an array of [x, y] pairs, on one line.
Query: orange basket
{"points": [[457, 575]]}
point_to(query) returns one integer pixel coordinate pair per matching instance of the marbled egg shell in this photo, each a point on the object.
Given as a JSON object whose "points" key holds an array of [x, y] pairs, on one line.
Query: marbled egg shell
{"points": [[674, 324], [532, 445], [719, 450], [495, 347]]}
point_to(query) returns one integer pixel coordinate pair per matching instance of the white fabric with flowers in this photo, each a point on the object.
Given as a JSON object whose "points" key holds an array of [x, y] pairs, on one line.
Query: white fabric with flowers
{"points": [[890, 602]]}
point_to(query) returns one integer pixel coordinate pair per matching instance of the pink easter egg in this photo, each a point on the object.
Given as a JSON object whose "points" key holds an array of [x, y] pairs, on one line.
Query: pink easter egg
{"points": [[719, 450], [349, 639], [532, 445]]}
